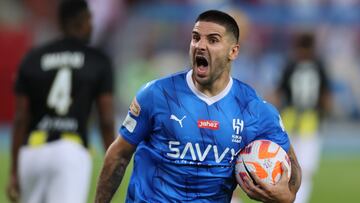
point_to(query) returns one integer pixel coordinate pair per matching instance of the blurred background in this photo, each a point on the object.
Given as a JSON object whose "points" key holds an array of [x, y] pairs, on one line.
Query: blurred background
{"points": [[147, 39]]}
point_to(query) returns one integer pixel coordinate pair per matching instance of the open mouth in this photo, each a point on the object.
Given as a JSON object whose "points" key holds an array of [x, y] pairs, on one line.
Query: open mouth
{"points": [[201, 61], [202, 66]]}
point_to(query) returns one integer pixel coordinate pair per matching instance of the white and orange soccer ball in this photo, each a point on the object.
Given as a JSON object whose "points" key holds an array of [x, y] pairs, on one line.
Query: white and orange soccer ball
{"points": [[263, 157]]}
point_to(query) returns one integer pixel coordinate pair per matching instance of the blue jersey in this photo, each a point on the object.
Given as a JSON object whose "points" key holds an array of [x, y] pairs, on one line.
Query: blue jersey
{"points": [[187, 142]]}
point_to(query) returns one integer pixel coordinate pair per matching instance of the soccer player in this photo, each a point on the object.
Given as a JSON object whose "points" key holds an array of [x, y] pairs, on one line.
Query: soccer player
{"points": [[187, 128], [305, 92], [55, 88]]}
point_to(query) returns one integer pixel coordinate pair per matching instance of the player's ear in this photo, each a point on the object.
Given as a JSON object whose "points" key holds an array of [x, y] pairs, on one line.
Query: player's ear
{"points": [[234, 51]]}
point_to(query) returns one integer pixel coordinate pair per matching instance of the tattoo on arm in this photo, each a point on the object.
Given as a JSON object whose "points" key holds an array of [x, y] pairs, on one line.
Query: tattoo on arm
{"points": [[295, 179], [110, 179]]}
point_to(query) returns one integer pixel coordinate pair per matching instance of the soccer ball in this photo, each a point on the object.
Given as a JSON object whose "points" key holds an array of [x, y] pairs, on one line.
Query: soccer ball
{"points": [[263, 157]]}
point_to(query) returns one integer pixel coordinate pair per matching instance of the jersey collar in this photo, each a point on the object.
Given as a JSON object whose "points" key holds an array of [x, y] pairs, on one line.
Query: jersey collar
{"points": [[208, 100]]}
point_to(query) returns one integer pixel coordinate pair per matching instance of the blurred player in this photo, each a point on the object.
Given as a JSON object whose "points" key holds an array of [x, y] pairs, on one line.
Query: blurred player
{"points": [[55, 88], [186, 129], [304, 92]]}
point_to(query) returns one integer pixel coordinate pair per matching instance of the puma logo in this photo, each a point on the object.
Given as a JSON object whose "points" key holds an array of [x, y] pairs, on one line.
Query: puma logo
{"points": [[173, 117]]}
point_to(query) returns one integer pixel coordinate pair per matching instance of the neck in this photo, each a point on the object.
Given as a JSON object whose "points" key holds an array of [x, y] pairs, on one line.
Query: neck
{"points": [[214, 87], [75, 34]]}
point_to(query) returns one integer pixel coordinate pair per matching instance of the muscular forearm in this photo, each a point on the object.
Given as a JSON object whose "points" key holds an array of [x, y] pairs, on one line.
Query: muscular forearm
{"points": [[17, 139], [20, 128], [295, 179], [109, 181], [112, 173]]}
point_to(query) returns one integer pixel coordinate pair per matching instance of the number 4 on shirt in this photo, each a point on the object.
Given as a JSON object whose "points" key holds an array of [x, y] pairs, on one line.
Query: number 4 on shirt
{"points": [[59, 96]]}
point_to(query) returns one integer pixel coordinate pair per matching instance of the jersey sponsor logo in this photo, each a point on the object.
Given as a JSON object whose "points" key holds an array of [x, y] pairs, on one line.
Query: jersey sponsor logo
{"points": [[135, 108], [198, 153], [173, 117], [58, 123], [209, 124], [62, 59], [129, 123]]}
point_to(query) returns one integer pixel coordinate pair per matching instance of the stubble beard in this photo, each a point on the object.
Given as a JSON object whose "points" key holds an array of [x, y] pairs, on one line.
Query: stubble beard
{"points": [[214, 75]]}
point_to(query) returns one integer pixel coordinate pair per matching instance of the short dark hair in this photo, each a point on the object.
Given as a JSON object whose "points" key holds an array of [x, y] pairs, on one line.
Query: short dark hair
{"points": [[69, 9], [221, 18]]}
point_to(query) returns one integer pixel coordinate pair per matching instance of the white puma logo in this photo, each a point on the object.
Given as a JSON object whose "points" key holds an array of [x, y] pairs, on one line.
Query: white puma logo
{"points": [[173, 117]]}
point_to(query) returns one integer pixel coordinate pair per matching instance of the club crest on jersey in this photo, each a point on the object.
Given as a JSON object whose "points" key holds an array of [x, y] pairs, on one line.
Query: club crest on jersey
{"points": [[208, 124], [238, 126], [135, 108]]}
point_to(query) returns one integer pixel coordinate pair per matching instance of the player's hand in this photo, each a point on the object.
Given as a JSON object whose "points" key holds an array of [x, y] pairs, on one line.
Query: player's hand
{"points": [[13, 189], [265, 192]]}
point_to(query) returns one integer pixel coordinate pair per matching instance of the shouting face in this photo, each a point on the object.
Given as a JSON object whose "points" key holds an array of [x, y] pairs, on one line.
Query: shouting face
{"points": [[212, 49]]}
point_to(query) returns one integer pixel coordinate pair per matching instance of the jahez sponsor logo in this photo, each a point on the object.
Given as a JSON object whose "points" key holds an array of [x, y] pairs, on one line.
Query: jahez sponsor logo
{"points": [[213, 125]]}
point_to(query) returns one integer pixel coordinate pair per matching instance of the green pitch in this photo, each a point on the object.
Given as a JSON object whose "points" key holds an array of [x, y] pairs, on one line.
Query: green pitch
{"points": [[338, 179]]}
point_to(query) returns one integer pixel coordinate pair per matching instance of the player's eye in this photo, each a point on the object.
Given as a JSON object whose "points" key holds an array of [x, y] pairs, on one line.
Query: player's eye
{"points": [[196, 38], [213, 40]]}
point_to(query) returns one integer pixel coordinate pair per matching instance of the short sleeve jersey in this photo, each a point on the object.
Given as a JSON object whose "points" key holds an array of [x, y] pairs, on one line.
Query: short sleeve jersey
{"points": [[303, 84], [61, 80], [187, 142]]}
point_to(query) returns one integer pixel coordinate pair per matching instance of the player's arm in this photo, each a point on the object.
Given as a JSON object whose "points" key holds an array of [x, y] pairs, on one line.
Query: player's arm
{"points": [[20, 128], [295, 178], [116, 160], [282, 192], [270, 127], [105, 109]]}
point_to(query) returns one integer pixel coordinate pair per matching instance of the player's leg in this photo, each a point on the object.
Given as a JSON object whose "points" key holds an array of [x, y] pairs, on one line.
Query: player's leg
{"points": [[33, 174], [308, 151], [71, 180]]}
